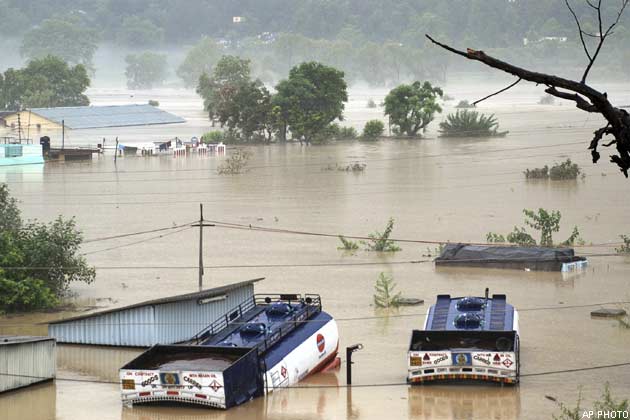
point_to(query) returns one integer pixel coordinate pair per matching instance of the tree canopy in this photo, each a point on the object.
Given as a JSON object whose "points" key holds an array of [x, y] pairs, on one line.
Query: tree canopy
{"points": [[311, 98], [145, 70], [65, 37], [45, 82], [412, 107], [38, 261]]}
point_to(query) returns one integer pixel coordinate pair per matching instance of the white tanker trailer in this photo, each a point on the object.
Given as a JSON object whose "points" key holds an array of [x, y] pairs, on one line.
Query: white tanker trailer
{"points": [[266, 343]]}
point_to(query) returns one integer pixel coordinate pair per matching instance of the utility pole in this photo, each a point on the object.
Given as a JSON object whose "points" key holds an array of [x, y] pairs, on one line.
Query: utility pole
{"points": [[63, 134], [201, 224]]}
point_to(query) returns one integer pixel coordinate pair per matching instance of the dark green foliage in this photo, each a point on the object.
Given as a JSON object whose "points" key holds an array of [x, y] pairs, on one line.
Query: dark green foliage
{"points": [[564, 170], [347, 244], [153, 102], [537, 173], [45, 82], [545, 222], [380, 242], [38, 260], [384, 296], [348, 133], [412, 107], [470, 124], [520, 237], [145, 70], [69, 38], [310, 100], [625, 247], [236, 102], [559, 171], [373, 129], [214, 137], [492, 237]]}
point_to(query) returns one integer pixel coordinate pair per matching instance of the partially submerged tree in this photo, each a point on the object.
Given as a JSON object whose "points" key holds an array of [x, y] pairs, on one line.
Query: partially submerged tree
{"points": [[585, 97], [465, 123], [45, 82], [145, 70], [411, 107]]}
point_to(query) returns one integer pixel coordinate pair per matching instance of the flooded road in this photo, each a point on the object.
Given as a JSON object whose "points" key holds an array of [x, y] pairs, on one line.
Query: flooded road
{"points": [[435, 189]]}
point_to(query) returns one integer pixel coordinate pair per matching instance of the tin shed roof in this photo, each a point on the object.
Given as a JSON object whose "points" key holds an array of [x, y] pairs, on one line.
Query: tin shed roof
{"points": [[208, 293], [78, 117]]}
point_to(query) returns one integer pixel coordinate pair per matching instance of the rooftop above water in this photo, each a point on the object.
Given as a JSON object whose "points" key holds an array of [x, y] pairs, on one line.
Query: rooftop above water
{"points": [[471, 313]]}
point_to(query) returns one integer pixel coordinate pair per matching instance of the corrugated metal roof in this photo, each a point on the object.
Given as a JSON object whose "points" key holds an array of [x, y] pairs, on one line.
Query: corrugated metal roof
{"points": [[19, 339], [78, 117], [217, 291]]}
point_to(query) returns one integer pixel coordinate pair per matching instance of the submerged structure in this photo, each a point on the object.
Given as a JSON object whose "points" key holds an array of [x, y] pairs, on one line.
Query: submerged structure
{"points": [[534, 258], [14, 151], [265, 343], [466, 338], [26, 360]]}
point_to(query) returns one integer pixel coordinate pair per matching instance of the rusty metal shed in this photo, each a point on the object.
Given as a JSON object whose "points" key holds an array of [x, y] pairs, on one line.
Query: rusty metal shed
{"points": [[161, 321]]}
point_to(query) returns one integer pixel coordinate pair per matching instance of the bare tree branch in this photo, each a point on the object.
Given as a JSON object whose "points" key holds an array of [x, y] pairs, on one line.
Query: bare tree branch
{"points": [[580, 31], [580, 102], [497, 92], [585, 97]]}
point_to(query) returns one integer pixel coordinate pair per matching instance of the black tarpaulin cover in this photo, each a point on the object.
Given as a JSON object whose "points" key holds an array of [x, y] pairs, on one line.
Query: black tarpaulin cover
{"points": [[478, 253]]}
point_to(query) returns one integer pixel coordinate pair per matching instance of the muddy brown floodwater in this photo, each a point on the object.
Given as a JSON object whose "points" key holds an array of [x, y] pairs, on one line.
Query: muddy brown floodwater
{"points": [[435, 189]]}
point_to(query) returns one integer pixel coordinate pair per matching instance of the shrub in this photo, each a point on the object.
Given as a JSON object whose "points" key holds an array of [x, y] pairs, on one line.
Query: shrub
{"points": [[559, 171], [153, 102], [470, 124], [520, 237], [373, 129], [213, 137], [347, 244], [380, 241], [564, 170], [353, 167], [492, 237], [606, 404], [464, 104], [235, 164], [371, 103], [537, 173], [625, 247], [25, 294], [347, 133], [384, 296]]}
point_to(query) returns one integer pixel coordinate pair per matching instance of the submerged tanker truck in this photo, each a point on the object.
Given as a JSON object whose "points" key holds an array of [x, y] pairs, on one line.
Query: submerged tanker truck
{"points": [[466, 338], [266, 343]]}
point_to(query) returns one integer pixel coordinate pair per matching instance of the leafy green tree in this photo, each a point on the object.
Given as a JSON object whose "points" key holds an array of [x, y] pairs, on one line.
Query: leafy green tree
{"points": [[545, 222], [65, 37], [140, 33], [412, 107], [199, 60], [45, 82], [373, 129], [384, 296], [312, 98], [145, 70], [39, 260], [380, 241]]}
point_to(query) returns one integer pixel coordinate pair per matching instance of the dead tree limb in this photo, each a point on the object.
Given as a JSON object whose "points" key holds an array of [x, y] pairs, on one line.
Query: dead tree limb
{"points": [[585, 97], [497, 92]]}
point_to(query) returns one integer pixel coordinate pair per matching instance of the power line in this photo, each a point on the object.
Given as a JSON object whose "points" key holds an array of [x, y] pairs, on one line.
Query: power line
{"points": [[126, 235], [163, 235]]}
